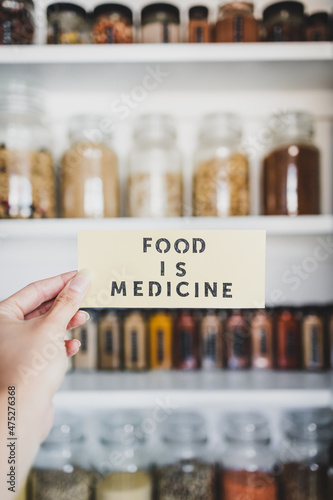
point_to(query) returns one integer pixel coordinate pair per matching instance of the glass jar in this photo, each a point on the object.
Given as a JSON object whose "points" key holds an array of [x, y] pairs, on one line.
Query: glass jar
{"points": [[155, 177], [17, 24], [284, 22], [307, 454], [87, 356], [122, 458], [67, 23], [160, 335], [135, 341], [112, 23], [262, 340], [185, 342], [288, 340], [238, 341], [236, 23], [198, 28], [313, 340], [61, 469], [291, 168], [318, 28], [221, 175], [160, 23], [330, 333], [27, 181], [185, 467], [248, 464], [211, 341], [109, 341], [89, 171]]}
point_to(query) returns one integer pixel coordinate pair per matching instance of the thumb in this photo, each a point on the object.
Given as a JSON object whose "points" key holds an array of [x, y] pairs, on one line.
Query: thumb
{"points": [[69, 299]]}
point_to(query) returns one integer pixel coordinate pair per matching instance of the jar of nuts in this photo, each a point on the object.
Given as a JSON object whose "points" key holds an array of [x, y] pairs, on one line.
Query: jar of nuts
{"points": [[221, 175], [155, 176]]}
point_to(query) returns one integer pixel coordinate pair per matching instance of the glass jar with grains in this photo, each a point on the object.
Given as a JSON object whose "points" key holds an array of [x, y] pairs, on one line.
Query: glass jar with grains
{"points": [[112, 23], [236, 23], [122, 458], [221, 175], [185, 467], [61, 469], [160, 23], [17, 24], [307, 455], [248, 464], [27, 181], [67, 23], [89, 168], [155, 176], [291, 168]]}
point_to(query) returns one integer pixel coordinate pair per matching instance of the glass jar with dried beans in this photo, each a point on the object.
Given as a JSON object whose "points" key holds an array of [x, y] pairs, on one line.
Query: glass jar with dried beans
{"points": [[160, 23], [89, 171], [221, 174], [67, 24], [155, 176], [27, 180], [236, 23], [291, 167], [262, 340], [198, 27], [17, 25], [112, 23], [284, 22]]}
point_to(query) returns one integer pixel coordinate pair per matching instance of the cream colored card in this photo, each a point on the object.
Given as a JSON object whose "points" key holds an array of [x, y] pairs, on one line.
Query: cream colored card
{"points": [[174, 269]]}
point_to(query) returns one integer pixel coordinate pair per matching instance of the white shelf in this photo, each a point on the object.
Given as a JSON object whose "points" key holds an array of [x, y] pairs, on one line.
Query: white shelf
{"points": [[145, 53]]}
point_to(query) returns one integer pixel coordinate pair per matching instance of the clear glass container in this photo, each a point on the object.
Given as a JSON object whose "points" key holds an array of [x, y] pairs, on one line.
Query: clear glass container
{"points": [[155, 175], [221, 175], [61, 469], [112, 23], [307, 454], [291, 167], [236, 23], [185, 465], [248, 463], [27, 181], [17, 24], [284, 22], [122, 458], [160, 23], [89, 170], [67, 23]]}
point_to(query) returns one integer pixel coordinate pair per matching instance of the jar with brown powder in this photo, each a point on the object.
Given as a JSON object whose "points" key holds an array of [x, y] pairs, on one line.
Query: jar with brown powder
{"points": [[236, 23], [160, 23], [112, 23], [198, 27]]}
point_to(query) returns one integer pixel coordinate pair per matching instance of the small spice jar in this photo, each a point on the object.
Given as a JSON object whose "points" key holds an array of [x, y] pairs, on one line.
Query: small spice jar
{"points": [[89, 171], [236, 23], [318, 28], [135, 341], [313, 340], [262, 340], [155, 181], [221, 174], [238, 340], [17, 25], [291, 168], [87, 334], [198, 28], [185, 342], [109, 342], [284, 22], [288, 340], [112, 23], [67, 23], [248, 463], [160, 23], [160, 336], [185, 468], [211, 341]]}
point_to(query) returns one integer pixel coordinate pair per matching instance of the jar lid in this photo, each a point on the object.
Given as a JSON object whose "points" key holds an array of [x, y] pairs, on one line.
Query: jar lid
{"points": [[66, 429], [318, 17], [54, 8], [113, 8], [292, 7], [19, 97], [292, 123], [309, 424], [185, 427], [161, 7], [154, 127], [248, 6], [246, 427], [91, 128], [220, 126], [122, 428], [198, 12]]}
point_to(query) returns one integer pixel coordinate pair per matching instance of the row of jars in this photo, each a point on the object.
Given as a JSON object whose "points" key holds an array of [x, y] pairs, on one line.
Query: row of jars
{"points": [[160, 23], [126, 463], [285, 339], [89, 180]]}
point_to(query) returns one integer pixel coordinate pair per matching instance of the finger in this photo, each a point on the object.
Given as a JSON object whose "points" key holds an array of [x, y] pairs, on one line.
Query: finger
{"points": [[40, 311], [69, 300], [72, 347], [79, 319], [32, 296]]}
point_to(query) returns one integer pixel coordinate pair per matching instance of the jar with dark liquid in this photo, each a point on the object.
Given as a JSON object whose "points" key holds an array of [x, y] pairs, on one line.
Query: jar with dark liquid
{"points": [[211, 341], [262, 340], [313, 340], [237, 339], [236, 23], [185, 342], [284, 22], [135, 342], [198, 28], [288, 340]]}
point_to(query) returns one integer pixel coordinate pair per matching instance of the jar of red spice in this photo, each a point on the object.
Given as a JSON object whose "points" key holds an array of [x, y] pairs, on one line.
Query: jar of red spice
{"points": [[185, 342], [236, 23], [112, 23], [288, 340]]}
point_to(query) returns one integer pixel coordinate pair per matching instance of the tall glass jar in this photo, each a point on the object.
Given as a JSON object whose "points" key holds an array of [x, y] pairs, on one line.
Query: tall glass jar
{"points": [[236, 23], [238, 340], [291, 167], [17, 24], [211, 341], [185, 466], [284, 22], [155, 175], [122, 458], [27, 181], [185, 342], [262, 340], [288, 340], [221, 175], [313, 340], [160, 336], [67, 23], [135, 341], [307, 454], [109, 341], [90, 184], [248, 463], [61, 469]]}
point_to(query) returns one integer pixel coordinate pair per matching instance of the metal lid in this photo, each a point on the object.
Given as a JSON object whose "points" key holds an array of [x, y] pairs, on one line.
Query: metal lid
{"points": [[246, 427], [113, 8], [198, 12], [185, 427], [54, 8], [161, 7], [309, 424]]}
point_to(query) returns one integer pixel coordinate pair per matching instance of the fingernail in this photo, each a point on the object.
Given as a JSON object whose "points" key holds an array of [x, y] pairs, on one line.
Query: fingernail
{"points": [[87, 315], [81, 281], [77, 342]]}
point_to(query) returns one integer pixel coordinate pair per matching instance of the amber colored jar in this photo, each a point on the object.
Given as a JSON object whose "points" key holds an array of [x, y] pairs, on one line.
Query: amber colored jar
{"points": [[318, 28], [236, 23], [109, 344], [198, 28], [211, 341], [135, 342], [160, 336], [185, 342], [87, 357], [313, 341], [291, 168], [237, 337], [288, 340], [262, 340], [284, 22]]}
